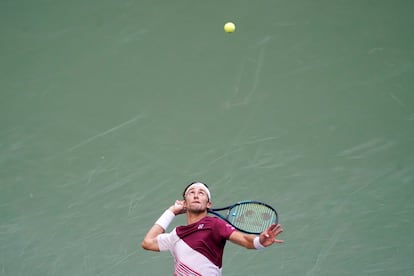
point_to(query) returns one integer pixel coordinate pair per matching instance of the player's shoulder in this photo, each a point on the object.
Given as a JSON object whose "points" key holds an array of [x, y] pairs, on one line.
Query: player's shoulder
{"points": [[224, 228]]}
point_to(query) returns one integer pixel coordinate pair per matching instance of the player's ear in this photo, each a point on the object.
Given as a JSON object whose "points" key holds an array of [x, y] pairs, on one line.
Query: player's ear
{"points": [[209, 204]]}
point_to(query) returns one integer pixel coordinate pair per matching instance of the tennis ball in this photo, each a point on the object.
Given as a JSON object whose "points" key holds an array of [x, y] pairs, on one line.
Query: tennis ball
{"points": [[229, 27]]}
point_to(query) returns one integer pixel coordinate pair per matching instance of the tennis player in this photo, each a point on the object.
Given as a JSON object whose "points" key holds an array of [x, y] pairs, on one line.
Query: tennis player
{"points": [[198, 247]]}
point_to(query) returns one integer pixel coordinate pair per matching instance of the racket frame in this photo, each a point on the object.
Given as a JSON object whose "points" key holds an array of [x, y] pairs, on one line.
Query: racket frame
{"points": [[214, 211]]}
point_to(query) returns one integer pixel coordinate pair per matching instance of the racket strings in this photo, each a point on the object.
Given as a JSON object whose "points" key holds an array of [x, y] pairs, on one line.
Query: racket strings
{"points": [[252, 217]]}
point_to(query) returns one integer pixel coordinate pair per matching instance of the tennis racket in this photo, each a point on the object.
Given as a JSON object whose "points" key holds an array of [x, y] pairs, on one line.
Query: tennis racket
{"points": [[249, 216]]}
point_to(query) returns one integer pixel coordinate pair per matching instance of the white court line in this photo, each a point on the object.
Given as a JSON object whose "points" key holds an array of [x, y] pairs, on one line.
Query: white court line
{"points": [[104, 133]]}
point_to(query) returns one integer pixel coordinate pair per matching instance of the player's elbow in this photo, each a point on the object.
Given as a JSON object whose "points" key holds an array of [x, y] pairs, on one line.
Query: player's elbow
{"points": [[149, 244], [145, 244]]}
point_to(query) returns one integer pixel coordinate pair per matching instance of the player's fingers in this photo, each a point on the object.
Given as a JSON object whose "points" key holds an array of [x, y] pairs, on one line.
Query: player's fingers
{"points": [[277, 228], [269, 231], [179, 204], [280, 231], [271, 228], [275, 232]]}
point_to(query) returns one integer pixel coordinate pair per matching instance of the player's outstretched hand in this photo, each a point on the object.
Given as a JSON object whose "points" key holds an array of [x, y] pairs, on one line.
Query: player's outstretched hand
{"points": [[269, 236]]}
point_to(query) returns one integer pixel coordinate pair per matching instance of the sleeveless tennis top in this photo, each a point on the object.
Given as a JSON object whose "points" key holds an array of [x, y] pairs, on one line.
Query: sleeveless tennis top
{"points": [[197, 248]]}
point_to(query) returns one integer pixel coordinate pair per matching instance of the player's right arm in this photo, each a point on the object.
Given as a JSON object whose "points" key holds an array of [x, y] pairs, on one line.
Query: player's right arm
{"points": [[150, 241]]}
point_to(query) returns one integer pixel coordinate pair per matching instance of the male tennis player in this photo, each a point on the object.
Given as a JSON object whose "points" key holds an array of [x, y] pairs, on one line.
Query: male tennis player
{"points": [[198, 246]]}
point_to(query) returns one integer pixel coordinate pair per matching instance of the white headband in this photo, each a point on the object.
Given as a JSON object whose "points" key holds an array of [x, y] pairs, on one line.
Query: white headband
{"points": [[199, 185]]}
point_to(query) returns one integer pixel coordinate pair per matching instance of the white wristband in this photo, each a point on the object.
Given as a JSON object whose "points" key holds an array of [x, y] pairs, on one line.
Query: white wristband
{"points": [[257, 244], [165, 219]]}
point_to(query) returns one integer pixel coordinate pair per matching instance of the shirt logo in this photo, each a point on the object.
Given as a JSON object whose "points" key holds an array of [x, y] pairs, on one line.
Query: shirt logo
{"points": [[201, 226]]}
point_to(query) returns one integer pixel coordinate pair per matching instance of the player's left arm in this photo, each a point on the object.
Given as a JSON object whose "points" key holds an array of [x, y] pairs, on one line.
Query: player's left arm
{"points": [[266, 238]]}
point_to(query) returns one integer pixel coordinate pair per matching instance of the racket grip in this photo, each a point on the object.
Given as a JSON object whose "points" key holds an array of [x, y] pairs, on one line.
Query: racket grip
{"points": [[165, 219]]}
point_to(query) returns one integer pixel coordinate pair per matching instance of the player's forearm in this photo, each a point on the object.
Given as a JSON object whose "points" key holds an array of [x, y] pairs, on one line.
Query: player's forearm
{"points": [[255, 243], [242, 239], [246, 240], [250, 241], [154, 231], [150, 241]]}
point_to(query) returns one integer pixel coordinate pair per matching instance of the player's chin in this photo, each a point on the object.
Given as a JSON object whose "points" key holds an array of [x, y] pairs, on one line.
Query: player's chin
{"points": [[197, 210]]}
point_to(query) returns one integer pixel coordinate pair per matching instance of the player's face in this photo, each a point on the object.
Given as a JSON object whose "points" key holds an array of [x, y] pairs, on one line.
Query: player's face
{"points": [[196, 200]]}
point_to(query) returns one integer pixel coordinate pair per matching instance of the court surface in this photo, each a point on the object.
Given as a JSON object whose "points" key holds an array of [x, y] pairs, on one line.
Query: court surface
{"points": [[108, 109]]}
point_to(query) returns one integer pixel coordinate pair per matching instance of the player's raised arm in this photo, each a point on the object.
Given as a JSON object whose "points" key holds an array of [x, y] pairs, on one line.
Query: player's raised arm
{"points": [[150, 241]]}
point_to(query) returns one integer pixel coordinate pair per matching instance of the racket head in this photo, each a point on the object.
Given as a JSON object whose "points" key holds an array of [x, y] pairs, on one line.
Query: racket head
{"points": [[252, 217]]}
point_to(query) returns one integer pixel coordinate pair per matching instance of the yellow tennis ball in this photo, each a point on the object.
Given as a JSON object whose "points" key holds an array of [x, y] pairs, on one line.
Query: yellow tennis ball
{"points": [[229, 27]]}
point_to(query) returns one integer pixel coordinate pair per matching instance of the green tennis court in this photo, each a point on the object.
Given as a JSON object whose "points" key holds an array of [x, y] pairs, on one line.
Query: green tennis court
{"points": [[108, 109]]}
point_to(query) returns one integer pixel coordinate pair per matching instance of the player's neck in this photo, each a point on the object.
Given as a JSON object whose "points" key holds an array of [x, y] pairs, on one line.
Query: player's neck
{"points": [[194, 217]]}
